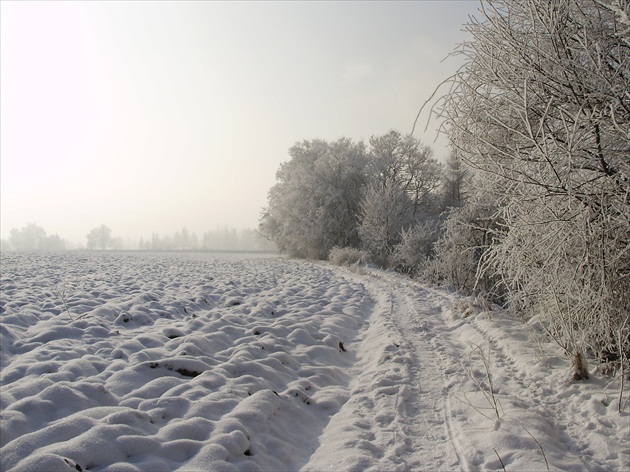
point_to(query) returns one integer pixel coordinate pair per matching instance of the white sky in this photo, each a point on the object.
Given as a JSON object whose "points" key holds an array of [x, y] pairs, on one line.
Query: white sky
{"points": [[151, 116]]}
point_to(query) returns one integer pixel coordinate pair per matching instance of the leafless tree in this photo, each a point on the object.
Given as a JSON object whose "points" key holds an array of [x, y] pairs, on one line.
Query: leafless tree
{"points": [[314, 205], [541, 108], [386, 211], [100, 238], [404, 162]]}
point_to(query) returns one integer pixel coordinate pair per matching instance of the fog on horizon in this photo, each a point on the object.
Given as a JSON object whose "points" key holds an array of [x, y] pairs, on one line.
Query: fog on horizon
{"points": [[150, 117]]}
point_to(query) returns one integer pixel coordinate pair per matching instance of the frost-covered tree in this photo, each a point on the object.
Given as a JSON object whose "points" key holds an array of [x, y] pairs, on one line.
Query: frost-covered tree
{"points": [[542, 109], [456, 182], [386, 210], [55, 243], [403, 193], [29, 238], [398, 161], [33, 238], [100, 238], [314, 206]]}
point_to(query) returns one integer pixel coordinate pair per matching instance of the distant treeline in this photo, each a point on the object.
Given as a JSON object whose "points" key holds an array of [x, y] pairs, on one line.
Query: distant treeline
{"points": [[222, 239], [33, 238]]}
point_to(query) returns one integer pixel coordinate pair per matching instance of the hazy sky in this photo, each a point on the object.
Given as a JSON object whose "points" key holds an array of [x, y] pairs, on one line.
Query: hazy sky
{"points": [[151, 116]]}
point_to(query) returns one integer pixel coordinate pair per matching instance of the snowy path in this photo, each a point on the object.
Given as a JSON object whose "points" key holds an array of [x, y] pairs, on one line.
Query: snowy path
{"points": [[445, 421], [432, 444], [404, 379], [395, 417], [190, 362]]}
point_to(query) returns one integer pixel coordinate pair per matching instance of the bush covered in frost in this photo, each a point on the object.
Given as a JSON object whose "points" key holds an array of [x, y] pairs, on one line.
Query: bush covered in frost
{"points": [[411, 255], [347, 256], [466, 236]]}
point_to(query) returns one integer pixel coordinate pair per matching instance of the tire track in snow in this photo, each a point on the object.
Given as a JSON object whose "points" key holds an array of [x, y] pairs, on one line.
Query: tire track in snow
{"points": [[430, 339], [427, 412], [509, 376], [438, 335], [422, 412]]}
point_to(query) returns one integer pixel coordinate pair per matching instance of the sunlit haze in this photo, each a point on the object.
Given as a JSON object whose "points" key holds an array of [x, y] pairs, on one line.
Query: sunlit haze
{"points": [[154, 116]]}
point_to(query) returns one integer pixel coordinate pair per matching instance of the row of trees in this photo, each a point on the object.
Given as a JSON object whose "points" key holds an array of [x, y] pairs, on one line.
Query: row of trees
{"points": [[345, 193], [33, 238], [533, 209], [541, 110], [222, 239]]}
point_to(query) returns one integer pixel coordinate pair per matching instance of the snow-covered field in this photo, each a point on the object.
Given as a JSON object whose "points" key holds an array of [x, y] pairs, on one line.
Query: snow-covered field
{"points": [[158, 362]]}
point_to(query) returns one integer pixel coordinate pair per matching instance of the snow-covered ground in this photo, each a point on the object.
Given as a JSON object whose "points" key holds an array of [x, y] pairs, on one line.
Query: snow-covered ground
{"points": [[158, 362]]}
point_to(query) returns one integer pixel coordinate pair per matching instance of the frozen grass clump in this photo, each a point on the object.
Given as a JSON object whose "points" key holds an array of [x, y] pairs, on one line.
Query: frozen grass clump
{"points": [[347, 256]]}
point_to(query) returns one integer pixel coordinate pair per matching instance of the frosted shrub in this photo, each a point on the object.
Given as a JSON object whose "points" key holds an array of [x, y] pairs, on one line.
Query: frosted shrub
{"points": [[347, 256], [570, 276], [410, 256], [541, 107], [386, 210], [460, 250]]}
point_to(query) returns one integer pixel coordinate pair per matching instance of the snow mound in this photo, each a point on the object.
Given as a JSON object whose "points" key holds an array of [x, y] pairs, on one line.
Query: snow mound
{"points": [[160, 363]]}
